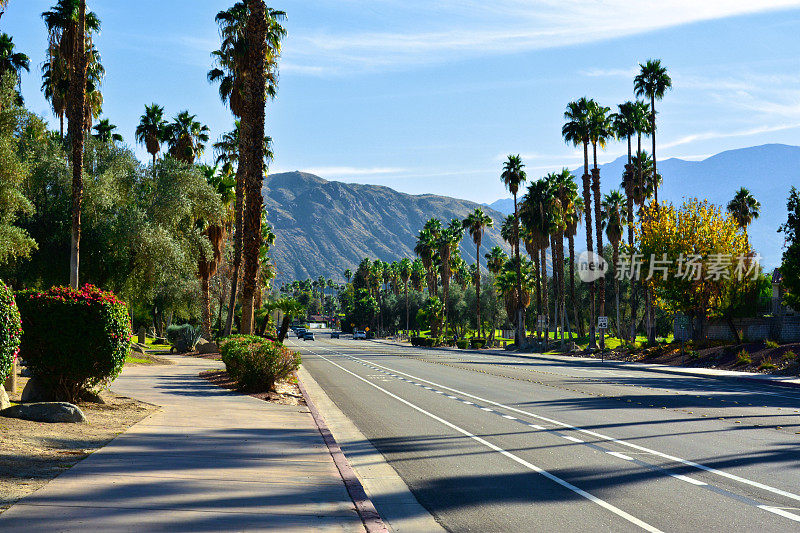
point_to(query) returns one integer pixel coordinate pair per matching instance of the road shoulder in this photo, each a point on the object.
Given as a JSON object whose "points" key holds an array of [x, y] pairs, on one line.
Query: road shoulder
{"points": [[395, 502]]}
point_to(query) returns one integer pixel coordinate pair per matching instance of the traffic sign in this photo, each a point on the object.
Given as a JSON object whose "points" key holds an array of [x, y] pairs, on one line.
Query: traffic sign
{"points": [[602, 322]]}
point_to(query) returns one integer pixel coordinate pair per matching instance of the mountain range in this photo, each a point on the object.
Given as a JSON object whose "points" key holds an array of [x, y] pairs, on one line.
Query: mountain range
{"points": [[768, 171], [324, 227]]}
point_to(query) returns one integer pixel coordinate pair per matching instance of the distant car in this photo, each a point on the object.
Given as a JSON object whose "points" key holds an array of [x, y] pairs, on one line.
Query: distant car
{"points": [[334, 334], [308, 336], [300, 332], [359, 335]]}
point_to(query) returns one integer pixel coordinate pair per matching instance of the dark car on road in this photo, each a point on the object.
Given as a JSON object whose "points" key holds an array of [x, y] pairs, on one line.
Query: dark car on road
{"points": [[334, 334], [308, 336]]}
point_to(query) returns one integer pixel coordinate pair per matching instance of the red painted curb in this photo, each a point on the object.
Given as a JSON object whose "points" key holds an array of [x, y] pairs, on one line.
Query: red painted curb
{"points": [[366, 510]]}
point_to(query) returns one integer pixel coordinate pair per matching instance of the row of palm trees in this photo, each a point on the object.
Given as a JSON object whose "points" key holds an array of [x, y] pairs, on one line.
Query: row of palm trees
{"points": [[552, 208]]}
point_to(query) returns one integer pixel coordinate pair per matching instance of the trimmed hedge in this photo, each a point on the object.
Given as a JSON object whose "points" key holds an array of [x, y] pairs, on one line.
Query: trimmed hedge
{"points": [[10, 331], [256, 363], [477, 343], [462, 343], [74, 340]]}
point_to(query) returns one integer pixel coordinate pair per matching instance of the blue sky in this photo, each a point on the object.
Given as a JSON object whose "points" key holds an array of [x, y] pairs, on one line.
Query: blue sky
{"points": [[430, 96]]}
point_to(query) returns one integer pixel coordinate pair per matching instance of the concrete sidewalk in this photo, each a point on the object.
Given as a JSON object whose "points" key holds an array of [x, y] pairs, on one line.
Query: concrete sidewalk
{"points": [[210, 460]]}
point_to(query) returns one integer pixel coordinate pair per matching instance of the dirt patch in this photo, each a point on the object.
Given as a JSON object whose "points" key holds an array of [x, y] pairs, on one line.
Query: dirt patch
{"points": [[286, 392], [33, 453], [750, 357]]}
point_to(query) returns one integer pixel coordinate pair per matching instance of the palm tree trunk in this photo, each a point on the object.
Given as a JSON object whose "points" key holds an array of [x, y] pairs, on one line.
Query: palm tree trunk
{"points": [[601, 296], [520, 341], [545, 295], [561, 285], [653, 138], [575, 318], [587, 215], [61, 124], [205, 302], [538, 265], [76, 119], [615, 246], [478, 288], [406, 288], [237, 238], [253, 135]]}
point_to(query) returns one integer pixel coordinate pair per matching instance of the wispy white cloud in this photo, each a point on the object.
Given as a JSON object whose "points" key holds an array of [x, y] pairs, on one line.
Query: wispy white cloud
{"points": [[431, 32], [712, 135]]}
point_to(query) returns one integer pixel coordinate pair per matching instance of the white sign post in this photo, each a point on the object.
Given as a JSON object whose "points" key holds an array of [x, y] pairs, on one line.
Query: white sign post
{"points": [[602, 323]]}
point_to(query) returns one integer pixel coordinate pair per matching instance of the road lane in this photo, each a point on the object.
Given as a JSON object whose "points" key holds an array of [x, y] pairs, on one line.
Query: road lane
{"points": [[655, 489]]}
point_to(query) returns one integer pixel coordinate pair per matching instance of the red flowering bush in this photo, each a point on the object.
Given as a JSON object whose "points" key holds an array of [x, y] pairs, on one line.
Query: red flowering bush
{"points": [[10, 331], [74, 340]]}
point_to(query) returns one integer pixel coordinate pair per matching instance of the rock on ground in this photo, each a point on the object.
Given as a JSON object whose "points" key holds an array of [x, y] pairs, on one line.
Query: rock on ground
{"points": [[5, 403], [35, 392], [45, 412], [205, 347]]}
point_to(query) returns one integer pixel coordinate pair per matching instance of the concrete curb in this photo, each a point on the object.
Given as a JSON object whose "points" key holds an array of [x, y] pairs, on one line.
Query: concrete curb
{"points": [[366, 510]]}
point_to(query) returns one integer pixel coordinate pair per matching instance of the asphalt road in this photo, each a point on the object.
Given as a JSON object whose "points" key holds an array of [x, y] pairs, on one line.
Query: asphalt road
{"points": [[493, 442]]}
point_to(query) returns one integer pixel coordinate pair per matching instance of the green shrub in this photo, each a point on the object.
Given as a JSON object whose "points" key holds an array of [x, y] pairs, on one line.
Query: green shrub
{"points": [[771, 344], [477, 343], [462, 343], [767, 364], [743, 358], [417, 341], [10, 331], [256, 363], [789, 355], [74, 340], [184, 337]]}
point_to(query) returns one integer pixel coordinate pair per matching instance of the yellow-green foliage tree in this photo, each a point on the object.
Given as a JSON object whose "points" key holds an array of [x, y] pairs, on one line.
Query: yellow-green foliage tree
{"points": [[697, 259]]}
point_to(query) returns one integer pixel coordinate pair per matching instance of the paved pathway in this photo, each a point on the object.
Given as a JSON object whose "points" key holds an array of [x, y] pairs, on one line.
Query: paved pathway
{"points": [[210, 460]]}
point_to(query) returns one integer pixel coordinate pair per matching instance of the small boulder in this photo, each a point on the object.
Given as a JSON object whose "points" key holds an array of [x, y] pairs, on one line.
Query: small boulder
{"points": [[205, 347], [50, 412], [35, 392], [5, 403], [137, 348]]}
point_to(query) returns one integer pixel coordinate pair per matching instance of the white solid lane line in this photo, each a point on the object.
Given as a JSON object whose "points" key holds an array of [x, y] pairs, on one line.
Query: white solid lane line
{"points": [[621, 456], [686, 462], [573, 439], [602, 503], [781, 512]]}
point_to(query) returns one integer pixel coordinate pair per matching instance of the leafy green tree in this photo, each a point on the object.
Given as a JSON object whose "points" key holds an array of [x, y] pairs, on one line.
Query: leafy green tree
{"points": [[13, 63], [15, 242]]}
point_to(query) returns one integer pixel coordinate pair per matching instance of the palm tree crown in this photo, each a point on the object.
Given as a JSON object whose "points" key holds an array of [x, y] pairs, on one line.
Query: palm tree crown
{"points": [[744, 208], [151, 130], [105, 132], [186, 137], [11, 61]]}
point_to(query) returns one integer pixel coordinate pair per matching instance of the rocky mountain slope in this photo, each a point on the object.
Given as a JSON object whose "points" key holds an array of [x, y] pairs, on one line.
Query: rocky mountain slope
{"points": [[324, 227]]}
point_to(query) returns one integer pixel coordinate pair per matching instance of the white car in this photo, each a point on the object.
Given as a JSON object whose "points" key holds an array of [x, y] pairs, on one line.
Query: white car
{"points": [[359, 335]]}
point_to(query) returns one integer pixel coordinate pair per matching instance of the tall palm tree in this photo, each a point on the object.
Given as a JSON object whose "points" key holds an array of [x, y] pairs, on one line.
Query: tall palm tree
{"points": [[151, 130], [566, 192], [11, 61], [248, 55], [214, 231], [72, 56], [447, 244], [424, 249], [495, 260], [186, 137], [513, 177], [577, 130], [507, 233], [613, 220], [404, 270], [475, 223], [573, 217], [600, 132], [418, 273], [652, 82], [348, 275], [105, 132], [745, 209]]}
